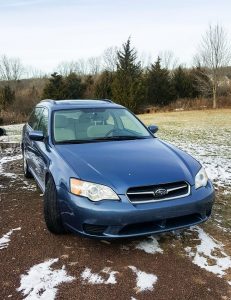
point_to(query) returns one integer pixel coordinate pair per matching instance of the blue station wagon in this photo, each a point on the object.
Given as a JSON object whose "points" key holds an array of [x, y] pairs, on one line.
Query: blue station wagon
{"points": [[104, 174]]}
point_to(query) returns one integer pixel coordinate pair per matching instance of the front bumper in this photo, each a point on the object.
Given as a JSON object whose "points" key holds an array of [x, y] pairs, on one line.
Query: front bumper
{"points": [[118, 219]]}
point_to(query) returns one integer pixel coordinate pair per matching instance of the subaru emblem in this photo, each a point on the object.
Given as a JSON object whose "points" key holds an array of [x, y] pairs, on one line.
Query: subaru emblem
{"points": [[160, 192]]}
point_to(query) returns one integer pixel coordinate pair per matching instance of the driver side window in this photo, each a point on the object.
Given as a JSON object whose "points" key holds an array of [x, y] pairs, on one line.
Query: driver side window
{"points": [[43, 124], [35, 118]]}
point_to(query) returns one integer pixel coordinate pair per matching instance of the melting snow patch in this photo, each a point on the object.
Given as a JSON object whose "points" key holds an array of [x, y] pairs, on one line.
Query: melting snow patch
{"points": [[209, 254], [150, 246], [95, 278], [7, 159], [41, 281], [4, 241], [144, 281], [218, 167], [14, 133]]}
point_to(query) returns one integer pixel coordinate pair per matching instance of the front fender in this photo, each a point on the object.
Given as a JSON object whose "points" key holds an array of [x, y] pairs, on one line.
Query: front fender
{"points": [[60, 170]]}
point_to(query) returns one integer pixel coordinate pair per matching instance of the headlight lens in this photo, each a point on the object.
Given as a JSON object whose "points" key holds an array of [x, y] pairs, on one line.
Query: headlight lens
{"points": [[93, 191], [201, 179]]}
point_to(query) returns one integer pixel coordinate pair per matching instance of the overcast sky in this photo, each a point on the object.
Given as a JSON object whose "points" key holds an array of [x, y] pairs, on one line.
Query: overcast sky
{"points": [[42, 33]]}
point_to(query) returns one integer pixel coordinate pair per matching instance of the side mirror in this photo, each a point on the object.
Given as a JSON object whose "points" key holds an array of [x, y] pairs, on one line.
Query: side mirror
{"points": [[36, 135], [153, 128]]}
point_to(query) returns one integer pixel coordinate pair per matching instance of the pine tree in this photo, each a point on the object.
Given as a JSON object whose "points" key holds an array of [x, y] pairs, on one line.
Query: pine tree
{"points": [[127, 84], [59, 87], [183, 83], [54, 89], [160, 91], [73, 87]]}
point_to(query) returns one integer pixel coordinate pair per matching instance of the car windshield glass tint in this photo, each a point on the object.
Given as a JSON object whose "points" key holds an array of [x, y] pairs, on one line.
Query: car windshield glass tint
{"points": [[95, 125]]}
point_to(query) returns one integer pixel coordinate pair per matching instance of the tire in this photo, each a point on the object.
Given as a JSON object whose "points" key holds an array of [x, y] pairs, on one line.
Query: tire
{"points": [[26, 171], [51, 209]]}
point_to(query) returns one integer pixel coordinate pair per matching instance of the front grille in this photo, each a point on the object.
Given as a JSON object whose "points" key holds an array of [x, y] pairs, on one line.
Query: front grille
{"points": [[158, 192]]}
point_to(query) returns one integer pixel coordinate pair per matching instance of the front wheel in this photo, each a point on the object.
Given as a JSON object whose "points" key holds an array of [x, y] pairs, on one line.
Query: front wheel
{"points": [[26, 171], [51, 209]]}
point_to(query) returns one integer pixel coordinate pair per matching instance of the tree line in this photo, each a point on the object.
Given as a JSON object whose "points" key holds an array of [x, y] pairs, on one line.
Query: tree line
{"points": [[127, 80]]}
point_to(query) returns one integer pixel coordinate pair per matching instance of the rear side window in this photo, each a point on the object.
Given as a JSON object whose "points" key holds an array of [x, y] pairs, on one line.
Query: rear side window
{"points": [[35, 118], [43, 124]]}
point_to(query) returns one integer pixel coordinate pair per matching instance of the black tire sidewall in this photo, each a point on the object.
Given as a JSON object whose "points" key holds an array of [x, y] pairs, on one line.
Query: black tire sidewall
{"points": [[52, 213]]}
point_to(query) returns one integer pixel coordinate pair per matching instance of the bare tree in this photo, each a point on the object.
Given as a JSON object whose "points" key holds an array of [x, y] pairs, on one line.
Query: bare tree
{"points": [[168, 60], [67, 67], [145, 60], [94, 65], [214, 54], [31, 72], [110, 59], [82, 67], [10, 68]]}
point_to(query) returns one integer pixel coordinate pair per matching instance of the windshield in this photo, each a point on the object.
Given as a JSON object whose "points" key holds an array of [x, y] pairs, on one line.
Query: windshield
{"points": [[96, 124]]}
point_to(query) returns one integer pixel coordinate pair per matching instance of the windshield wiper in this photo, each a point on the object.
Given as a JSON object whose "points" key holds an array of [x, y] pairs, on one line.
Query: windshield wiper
{"points": [[75, 142], [106, 138], [120, 137]]}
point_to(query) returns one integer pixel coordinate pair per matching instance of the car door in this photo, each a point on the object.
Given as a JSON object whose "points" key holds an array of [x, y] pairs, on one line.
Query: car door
{"points": [[41, 150], [28, 144]]}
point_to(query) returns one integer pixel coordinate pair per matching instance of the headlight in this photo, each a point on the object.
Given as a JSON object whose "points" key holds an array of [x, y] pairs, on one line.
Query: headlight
{"points": [[201, 179], [92, 191]]}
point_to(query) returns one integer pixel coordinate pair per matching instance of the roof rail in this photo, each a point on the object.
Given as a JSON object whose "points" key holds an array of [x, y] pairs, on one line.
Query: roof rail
{"points": [[48, 100], [54, 101], [107, 100]]}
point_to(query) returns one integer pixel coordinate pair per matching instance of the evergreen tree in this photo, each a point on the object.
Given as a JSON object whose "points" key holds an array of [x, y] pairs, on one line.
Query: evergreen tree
{"points": [[127, 84], [73, 87], [89, 87], [183, 83], [59, 87], [103, 87], [54, 89], [160, 91]]}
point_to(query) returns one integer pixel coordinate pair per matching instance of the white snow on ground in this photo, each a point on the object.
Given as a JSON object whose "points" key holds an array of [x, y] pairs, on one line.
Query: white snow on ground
{"points": [[5, 160], [215, 158], [150, 245], [14, 133], [144, 281], [41, 281], [28, 186], [5, 239], [94, 278], [209, 254]]}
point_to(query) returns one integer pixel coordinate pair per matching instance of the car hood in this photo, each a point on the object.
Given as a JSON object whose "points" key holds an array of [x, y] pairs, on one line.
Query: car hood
{"points": [[124, 164]]}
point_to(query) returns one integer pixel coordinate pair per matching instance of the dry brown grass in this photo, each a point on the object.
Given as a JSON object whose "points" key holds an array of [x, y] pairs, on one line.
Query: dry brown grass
{"points": [[191, 104], [218, 117]]}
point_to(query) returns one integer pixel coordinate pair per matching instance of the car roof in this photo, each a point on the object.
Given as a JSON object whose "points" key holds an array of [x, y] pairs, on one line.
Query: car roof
{"points": [[78, 103]]}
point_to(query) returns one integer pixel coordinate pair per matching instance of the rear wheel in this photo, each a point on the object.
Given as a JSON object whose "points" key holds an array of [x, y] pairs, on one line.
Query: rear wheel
{"points": [[51, 209], [26, 171]]}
